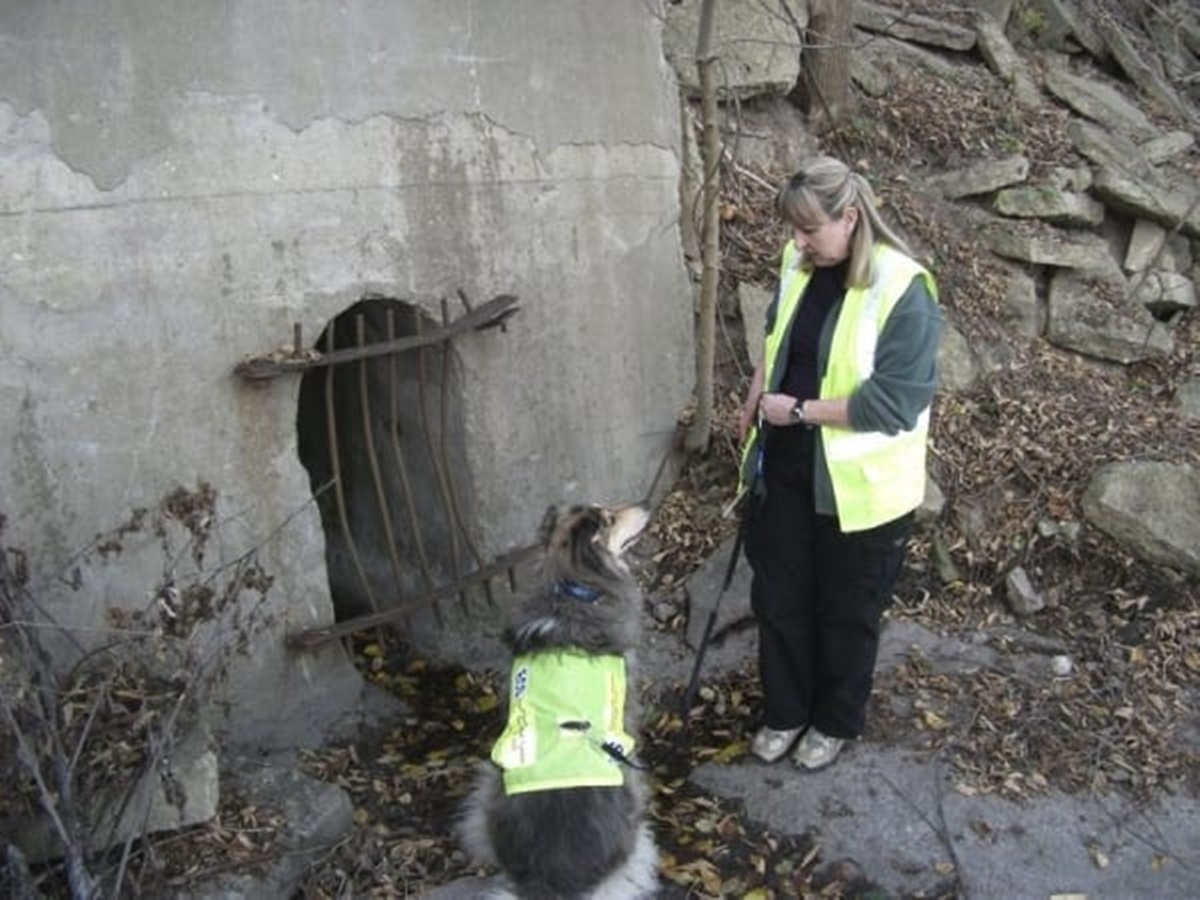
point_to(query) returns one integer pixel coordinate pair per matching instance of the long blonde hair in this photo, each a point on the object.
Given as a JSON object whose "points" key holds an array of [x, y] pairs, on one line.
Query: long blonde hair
{"points": [[824, 188]]}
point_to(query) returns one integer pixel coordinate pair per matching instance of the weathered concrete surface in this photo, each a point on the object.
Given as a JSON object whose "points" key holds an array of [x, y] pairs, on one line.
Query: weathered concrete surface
{"points": [[180, 184], [896, 813]]}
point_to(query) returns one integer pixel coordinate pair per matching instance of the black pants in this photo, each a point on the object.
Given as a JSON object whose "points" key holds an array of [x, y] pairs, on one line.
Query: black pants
{"points": [[817, 594]]}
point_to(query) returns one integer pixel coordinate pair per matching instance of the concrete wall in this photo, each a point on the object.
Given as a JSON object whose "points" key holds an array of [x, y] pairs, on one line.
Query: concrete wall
{"points": [[181, 182]]}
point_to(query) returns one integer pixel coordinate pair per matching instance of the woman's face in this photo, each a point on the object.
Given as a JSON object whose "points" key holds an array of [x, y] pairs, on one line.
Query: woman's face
{"points": [[825, 241]]}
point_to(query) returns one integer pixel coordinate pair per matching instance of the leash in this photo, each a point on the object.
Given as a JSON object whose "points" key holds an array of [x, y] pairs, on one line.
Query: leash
{"points": [[689, 694]]}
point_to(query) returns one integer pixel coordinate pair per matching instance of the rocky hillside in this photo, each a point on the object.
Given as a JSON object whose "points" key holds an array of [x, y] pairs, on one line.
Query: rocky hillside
{"points": [[1046, 166]]}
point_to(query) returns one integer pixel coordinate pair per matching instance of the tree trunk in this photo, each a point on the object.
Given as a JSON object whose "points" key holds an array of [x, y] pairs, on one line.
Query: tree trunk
{"points": [[699, 434], [823, 91]]}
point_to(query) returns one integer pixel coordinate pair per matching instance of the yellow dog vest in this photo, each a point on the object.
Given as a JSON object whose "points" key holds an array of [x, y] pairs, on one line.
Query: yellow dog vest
{"points": [[564, 707]]}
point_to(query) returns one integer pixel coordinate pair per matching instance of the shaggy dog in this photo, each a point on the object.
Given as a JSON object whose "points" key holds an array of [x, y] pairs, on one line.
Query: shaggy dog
{"points": [[561, 809]]}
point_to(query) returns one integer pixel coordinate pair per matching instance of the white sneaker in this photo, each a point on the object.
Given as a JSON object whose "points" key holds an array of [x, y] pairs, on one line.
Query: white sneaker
{"points": [[770, 744], [816, 751]]}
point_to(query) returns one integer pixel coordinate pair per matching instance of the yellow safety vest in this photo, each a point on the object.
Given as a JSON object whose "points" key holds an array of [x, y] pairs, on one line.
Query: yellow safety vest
{"points": [[564, 706], [876, 477]]}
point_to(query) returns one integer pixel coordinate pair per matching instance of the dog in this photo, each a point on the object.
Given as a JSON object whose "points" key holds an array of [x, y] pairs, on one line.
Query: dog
{"points": [[561, 807]]}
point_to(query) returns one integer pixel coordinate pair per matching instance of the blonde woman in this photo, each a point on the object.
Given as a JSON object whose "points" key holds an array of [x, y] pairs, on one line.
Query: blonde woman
{"points": [[835, 427]]}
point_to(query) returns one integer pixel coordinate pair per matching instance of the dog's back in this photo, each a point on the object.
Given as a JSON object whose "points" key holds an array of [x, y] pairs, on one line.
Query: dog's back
{"points": [[563, 815]]}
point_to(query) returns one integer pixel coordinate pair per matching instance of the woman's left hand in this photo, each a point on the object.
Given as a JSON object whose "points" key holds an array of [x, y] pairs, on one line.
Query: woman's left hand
{"points": [[776, 409]]}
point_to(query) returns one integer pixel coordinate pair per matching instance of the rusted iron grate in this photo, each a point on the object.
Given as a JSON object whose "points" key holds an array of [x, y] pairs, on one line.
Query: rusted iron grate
{"points": [[469, 570]]}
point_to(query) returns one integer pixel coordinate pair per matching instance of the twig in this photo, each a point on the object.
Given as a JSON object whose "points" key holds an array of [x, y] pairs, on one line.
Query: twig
{"points": [[941, 831]]}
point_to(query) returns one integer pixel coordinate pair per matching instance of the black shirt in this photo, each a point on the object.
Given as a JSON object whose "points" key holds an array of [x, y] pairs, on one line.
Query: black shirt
{"points": [[826, 287]]}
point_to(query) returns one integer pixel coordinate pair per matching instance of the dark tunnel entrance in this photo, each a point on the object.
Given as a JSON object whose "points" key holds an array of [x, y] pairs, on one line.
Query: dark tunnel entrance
{"points": [[381, 437]]}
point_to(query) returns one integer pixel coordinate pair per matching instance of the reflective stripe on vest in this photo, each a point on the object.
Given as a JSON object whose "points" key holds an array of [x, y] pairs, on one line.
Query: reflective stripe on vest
{"points": [[563, 706], [876, 477]]}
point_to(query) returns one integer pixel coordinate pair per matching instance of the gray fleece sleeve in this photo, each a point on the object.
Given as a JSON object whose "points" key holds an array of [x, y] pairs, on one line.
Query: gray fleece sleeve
{"points": [[905, 375]]}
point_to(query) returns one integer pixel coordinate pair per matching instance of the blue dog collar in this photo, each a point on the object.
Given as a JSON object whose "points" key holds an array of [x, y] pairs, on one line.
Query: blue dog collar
{"points": [[576, 591]]}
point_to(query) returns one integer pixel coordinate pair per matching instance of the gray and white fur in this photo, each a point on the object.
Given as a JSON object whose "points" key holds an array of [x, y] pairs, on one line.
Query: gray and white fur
{"points": [[583, 843]]}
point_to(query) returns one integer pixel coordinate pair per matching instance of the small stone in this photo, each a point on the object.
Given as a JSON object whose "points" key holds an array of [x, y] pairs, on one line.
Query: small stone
{"points": [[1061, 665]]}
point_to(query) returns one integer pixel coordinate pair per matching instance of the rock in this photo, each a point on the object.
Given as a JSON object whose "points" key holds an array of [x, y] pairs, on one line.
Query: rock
{"points": [[1002, 59], [1187, 398], [1058, 24], [1167, 146], [934, 503], [1089, 312], [1048, 203], [1165, 293], [1150, 508], [1023, 598], [910, 26], [958, 369], [1077, 179], [1167, 202], [948, 572], [873, 81], [1107, 148], [183, 789], [1140, 73], [981, 178], [753, 302], [759, 48], [1042, 244], [1145, 242], [1099, 102], [998, 10], [317, 815], [1025, 311]]}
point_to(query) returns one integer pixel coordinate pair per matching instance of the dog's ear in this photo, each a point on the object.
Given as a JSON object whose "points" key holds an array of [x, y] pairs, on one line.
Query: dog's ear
{"points": [[549, 520]]}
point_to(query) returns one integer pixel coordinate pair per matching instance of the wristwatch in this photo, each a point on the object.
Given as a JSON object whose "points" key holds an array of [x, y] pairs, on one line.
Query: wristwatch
{"points": [[798, 412]]}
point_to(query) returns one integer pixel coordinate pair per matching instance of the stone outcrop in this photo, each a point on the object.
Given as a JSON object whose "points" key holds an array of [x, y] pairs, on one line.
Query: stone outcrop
{"points": [[1004, 60], [983, 177], [1090, 312], [1151, 507], [756, 45], [911, 26]]}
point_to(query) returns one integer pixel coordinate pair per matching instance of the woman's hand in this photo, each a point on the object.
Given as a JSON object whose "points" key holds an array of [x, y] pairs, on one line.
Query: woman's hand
{"points": [[776, 409]]}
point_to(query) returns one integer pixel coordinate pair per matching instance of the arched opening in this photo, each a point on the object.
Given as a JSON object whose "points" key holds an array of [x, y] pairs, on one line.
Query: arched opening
{"points": [[380, 434]]}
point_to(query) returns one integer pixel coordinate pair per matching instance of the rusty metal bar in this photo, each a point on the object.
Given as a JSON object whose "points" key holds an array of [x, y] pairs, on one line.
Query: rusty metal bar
{"points": [[453, 491], [364, 399], [315, 637], [336, 465], [271, 365], [435, 460], [398, 454]]}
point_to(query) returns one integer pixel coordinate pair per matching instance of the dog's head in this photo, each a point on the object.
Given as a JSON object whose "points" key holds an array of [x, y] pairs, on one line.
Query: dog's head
{"points": [[590, 599], [591, 539]]}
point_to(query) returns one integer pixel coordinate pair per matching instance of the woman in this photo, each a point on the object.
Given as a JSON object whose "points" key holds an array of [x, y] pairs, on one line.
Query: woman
{"points": [[835, 427]]}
